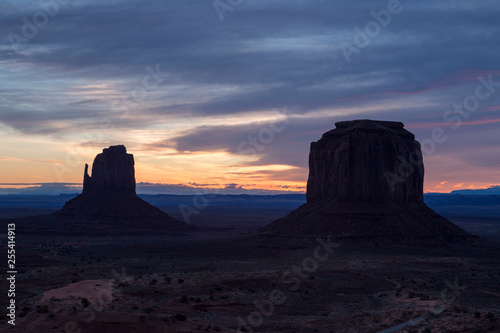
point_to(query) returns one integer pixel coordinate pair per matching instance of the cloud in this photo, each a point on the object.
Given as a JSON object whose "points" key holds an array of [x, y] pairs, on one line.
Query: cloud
{"points": [[92, 62]]}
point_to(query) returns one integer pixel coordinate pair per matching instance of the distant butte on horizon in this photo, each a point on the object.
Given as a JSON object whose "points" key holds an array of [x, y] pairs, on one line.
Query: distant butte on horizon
{"points": [[359, 192]]}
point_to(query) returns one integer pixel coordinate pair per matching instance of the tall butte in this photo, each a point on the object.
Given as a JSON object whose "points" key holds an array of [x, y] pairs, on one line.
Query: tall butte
{"points": [[366, 185], [109, 195]]}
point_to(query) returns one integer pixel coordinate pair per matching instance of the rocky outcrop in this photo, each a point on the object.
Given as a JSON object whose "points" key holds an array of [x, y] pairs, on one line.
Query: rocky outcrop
{"points": [[112, 170], [109, 196], [366, 184], [354, 162]]}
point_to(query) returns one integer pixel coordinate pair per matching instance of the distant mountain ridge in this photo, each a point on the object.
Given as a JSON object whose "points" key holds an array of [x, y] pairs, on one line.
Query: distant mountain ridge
{"points": [[493, 190]]}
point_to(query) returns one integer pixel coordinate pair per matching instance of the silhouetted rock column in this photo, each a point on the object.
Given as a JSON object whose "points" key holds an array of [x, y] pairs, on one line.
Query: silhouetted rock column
{"points": [[109, 197], [355, 161], [113, 170], [86, 177]]}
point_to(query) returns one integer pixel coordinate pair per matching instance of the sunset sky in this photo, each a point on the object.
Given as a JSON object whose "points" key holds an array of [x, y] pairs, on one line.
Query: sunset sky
{"points": [[230, 94]]}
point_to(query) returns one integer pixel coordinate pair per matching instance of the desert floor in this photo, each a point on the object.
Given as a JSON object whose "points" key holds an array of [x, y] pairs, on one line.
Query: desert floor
{"points": [[221, 282]]}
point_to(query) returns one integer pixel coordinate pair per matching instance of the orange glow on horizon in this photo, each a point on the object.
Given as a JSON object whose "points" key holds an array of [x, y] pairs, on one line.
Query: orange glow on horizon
{"points": [[30, 159]]}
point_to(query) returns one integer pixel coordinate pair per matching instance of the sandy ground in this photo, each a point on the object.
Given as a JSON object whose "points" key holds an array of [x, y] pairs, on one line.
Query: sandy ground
{"points": [[226, 285], [90, 289]]}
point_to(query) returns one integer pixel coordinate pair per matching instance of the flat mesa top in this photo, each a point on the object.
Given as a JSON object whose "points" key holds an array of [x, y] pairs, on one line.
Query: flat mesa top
{"points": [[369, 123], [115, 149], [382, 128]]}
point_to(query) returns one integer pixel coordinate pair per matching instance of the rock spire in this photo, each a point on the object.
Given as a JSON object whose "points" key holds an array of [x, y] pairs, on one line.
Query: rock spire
{"points": [[109, 196]]}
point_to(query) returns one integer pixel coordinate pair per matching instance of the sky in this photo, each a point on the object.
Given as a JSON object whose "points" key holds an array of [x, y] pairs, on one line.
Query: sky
{"points": [[229, 94]]}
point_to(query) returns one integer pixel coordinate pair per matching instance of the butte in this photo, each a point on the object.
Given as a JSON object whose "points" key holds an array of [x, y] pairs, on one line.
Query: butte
{"points": [[365, 186], [109, 198]]}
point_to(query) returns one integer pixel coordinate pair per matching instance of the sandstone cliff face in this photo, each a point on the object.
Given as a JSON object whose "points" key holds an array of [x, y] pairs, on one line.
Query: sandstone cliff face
{"points": [[352, 195], [353, 163], [109, 196], [113, 170]]}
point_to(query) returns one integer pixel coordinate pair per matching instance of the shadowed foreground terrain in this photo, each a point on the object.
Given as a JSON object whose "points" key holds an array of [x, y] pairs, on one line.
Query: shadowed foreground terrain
{"points": [[207, 279]]}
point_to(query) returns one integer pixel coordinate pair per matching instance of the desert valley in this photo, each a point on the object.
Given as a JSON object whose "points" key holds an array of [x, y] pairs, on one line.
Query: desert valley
{"points": [[356, 254]]}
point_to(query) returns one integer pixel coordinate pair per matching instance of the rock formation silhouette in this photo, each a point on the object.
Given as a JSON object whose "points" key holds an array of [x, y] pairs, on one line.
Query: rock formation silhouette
{"points": [[366, 185], [109, 195], [353, 162], [112, 171]]}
